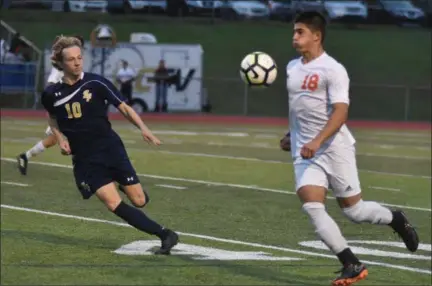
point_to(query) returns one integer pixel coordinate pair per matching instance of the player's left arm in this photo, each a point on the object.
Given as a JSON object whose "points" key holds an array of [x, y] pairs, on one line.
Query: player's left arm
{"points": [[338, 89], [130, 114], [115, 98]]}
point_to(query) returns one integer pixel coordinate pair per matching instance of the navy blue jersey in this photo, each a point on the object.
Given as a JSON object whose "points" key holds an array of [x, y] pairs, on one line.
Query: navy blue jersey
{"points": [[82, 114]]}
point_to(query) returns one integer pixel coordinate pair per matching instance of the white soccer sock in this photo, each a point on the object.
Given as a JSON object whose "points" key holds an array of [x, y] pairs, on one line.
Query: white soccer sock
{"points": [[371, 212], [36, 149], [325, 227]]}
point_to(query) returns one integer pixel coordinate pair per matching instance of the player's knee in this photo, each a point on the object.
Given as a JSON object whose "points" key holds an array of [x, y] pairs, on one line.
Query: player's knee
{"points": [[141, 201], [313, 209], [356, 213], [112, 204]]}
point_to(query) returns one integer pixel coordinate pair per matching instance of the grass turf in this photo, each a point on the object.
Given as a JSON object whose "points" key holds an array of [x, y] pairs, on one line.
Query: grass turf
{"points": [[232, 183]]}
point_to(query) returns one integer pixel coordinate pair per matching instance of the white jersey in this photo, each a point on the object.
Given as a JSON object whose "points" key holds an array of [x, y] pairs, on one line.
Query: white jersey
{"points": [[127, 74], [312, 89], [55, 76]]}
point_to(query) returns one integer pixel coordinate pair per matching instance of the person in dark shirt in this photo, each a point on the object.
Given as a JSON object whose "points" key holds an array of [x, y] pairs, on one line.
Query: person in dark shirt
{"points": [[79, 120], [161, 77]]}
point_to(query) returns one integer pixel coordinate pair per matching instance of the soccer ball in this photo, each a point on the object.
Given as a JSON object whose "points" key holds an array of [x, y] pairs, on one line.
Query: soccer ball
{"points": [[258, 69]]}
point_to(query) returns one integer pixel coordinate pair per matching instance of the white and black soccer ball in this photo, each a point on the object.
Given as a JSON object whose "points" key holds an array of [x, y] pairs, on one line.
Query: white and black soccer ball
{"points": [[258, 69]]}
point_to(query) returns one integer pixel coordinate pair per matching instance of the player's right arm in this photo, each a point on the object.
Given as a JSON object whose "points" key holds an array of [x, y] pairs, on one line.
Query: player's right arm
{"points": [[48, 103]]}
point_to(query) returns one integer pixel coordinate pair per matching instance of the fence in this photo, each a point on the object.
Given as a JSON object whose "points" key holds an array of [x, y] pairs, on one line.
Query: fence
{"points": [[19, 79], [231, 96], [368, 101]]}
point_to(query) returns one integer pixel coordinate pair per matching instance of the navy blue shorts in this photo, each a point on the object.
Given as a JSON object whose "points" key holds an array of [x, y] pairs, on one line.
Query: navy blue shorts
{"points": [[91, 175]]}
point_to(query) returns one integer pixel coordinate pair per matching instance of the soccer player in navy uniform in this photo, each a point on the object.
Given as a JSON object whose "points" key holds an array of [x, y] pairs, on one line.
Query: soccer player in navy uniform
{"points": [[78, 119]]}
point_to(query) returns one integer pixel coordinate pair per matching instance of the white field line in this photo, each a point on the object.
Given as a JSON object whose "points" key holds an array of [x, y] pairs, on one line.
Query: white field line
{"points": [[384, 188], [253, 159], [15, 184], [190, 154], [267, 145], [245, 128], [402, 134], [171, 187], [210, 183], [231, 241], [243, 133]]}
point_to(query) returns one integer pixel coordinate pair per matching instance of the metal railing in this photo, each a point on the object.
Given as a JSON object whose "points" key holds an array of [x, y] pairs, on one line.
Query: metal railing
{"points": [[7, 33]]}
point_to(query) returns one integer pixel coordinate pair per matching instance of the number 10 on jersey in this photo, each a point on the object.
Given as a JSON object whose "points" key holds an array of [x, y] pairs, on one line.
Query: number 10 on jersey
{"points": [[310, 82], [73, 110]]}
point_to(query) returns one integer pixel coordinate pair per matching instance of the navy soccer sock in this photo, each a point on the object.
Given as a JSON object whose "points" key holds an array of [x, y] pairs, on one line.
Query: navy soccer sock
{"points": [[139, 220]]}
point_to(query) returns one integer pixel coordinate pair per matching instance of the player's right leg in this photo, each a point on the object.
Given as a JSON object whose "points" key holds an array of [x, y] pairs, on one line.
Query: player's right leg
{"points": [[47, 142], [312, 186]]}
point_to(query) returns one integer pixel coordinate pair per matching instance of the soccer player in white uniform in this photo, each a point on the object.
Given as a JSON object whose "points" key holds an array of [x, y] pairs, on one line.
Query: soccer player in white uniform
{"points": [[50, 140], [323, 148]]}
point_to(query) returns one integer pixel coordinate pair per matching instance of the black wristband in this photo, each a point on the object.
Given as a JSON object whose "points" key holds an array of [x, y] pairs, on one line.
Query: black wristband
{"points": [[288, 134]]}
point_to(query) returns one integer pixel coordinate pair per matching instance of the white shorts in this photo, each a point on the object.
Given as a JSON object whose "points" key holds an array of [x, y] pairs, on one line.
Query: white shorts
{"points": [[336, 170], [48, 131]]}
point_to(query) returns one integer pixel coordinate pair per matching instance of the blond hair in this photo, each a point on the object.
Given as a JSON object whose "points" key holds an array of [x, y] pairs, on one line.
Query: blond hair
{"points": [[60, 43]]}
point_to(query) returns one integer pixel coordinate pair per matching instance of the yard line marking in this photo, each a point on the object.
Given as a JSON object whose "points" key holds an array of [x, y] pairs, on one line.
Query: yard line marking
{"points": [[211, 183], [15, 184], [395, 156], [384, 188], [240, 135], [199, 133], [403, 134], [193, 154], [171, 187], [267, 145], [359, 132], [212, 238]]}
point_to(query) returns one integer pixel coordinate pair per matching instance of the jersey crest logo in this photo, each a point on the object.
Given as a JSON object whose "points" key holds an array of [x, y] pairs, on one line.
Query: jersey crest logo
{"points": [[87, 95]]}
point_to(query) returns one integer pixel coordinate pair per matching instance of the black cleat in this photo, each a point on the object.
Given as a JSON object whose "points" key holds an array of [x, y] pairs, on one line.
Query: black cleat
{"points": [[351, 274], [22, 163], [168, 242], [405, 230]]}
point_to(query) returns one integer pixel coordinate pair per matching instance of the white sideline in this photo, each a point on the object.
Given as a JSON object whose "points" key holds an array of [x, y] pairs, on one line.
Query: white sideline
{"points": [[238, 186], [212, 238]]}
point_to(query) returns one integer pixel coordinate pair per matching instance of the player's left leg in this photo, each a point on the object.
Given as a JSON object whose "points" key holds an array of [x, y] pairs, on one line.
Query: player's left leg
{"points": [[346, 188], [22, 159], [125, 175], [110, 197]]}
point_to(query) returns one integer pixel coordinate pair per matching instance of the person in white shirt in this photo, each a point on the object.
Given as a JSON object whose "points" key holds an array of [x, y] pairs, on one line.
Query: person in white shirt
{"points": [[125, 77], [55, 76], [323, 149]]}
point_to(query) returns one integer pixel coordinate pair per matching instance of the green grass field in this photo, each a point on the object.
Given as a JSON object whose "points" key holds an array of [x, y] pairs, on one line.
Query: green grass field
{"points": [[373, 55], [228, 191]]}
